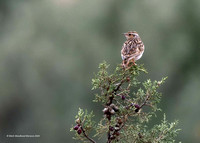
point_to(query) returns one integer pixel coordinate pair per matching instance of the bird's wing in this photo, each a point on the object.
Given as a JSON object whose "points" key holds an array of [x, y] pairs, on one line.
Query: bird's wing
{"points": [[135, 47], [125, 52], [132, 48]]}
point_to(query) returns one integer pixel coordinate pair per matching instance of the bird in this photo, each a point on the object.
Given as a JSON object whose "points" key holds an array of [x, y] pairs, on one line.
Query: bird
{"points": [[132, 49]]}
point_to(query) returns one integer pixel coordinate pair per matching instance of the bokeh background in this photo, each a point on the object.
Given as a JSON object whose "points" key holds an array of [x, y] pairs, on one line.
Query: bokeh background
{"points": [[49, 50]]}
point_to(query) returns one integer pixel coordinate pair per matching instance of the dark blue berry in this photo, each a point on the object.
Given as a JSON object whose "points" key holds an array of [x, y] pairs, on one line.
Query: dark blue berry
{"points": [[111, 128], [76, 127], [79, 131], [137, 106], [123, 97]]}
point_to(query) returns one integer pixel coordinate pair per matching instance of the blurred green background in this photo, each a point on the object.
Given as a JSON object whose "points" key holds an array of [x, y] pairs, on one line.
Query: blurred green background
{"points": [[49, 50]]}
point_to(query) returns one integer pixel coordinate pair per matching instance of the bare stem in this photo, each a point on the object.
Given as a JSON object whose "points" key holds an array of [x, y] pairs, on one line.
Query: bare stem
{"points": [[90, 139], [145, 101]]}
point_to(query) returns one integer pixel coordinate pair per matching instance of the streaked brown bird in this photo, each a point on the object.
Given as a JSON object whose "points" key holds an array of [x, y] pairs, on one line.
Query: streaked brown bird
{"points": [[132, 49]]}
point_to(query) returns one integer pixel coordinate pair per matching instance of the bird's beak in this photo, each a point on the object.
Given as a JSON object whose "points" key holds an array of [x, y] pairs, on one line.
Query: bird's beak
{"points": [[123, 33]]}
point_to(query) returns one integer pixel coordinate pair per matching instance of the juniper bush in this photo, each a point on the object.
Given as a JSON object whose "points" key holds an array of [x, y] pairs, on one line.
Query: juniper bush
{"points": [[128, 105]]}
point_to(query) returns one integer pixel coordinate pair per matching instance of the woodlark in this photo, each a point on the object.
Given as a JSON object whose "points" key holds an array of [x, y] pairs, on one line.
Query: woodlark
{"points": [[132, 49]]}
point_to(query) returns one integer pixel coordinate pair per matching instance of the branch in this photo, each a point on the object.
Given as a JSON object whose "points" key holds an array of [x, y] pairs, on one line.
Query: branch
{"points": [[110, 102], [145, 101], [90, 139], [115, 91]]}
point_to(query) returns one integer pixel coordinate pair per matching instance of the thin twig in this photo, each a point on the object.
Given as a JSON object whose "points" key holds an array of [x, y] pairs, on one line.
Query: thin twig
{"points": [[145, 101], [90, 139]]}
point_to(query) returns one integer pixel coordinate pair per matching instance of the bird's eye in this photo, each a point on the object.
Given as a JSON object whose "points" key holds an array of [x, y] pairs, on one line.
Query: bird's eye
{"points": [[129, 34]]}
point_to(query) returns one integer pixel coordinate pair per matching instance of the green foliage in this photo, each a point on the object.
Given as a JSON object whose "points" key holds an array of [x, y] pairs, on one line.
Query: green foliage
{"points": [[164, 132], [161, 133], [128, 105], [84, 120]]}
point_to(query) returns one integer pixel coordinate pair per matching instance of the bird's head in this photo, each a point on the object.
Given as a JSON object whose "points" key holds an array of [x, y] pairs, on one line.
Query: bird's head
{"points": [[131, 35]]}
